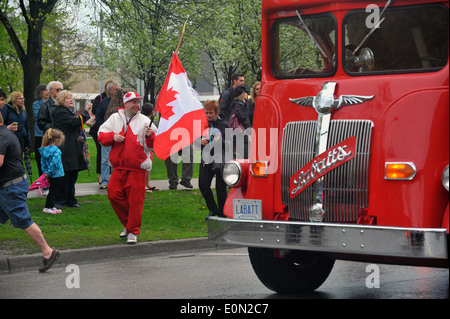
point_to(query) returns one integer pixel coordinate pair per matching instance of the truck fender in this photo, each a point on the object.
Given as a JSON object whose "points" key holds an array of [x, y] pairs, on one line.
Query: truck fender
{"points": [[234, 193], [444, 223]]}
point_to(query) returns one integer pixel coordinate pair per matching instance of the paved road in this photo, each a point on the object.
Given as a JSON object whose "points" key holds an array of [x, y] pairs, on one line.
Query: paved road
{"points": [[213, 274]]}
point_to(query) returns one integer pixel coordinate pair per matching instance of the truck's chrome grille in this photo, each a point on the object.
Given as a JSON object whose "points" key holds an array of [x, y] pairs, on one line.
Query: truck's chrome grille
{"points": [[345, 190]]}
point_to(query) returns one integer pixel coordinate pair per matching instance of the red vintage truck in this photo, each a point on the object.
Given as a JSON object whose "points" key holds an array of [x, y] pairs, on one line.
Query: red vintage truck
{"points": [[350, 143]]}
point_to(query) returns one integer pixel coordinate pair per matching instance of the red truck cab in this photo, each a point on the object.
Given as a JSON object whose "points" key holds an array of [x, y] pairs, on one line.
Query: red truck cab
{"points": [[350, 142]]}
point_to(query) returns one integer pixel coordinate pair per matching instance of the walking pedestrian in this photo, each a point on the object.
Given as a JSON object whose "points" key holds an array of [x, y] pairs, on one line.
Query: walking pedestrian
{"points": [[14, 187], [131, 140]]}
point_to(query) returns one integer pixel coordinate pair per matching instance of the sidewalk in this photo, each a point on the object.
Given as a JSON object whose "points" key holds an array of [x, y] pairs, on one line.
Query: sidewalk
{"points": [[11, 264], [93, 188]]}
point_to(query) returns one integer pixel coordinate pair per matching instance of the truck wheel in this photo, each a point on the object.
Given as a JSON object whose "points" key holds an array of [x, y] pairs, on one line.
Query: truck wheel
{"points": [[295, 272]]}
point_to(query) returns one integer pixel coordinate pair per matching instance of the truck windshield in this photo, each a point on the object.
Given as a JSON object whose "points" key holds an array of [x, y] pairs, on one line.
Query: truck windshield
{"points": [[409, 39], [295, 53]]}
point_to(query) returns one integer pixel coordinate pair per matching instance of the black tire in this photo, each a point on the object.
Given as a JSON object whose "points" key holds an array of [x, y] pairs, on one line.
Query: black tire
{"points": [[295, 272]]}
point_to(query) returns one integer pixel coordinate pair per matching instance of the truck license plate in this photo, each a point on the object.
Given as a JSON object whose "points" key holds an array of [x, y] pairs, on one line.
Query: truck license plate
{"points": [[247, 209]]}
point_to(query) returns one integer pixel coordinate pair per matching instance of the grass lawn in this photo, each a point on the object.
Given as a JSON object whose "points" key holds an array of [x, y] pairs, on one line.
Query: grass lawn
{"points": [[166, 215]]}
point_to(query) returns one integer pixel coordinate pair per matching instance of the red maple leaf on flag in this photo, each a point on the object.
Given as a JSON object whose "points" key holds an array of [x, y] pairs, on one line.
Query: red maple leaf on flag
{"points": [[190, 116], [163, 106]]}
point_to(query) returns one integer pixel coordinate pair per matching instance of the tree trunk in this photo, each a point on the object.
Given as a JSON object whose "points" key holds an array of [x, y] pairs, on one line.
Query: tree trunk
{"points": [[32, 68]]}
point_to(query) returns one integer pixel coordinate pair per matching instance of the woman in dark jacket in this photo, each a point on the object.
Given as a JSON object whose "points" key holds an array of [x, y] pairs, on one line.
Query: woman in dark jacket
{"points": [[240, 110], [252, 100], [65, 120], [16, 119], [212, 162], [14, 112]]}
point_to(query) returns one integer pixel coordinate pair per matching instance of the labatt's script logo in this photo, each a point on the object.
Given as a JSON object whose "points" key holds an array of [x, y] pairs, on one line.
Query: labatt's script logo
{"points": [[322, 164]]}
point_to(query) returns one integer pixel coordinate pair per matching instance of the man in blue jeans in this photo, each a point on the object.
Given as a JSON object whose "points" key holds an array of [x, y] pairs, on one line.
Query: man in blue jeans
{"points": [[13, 194]]}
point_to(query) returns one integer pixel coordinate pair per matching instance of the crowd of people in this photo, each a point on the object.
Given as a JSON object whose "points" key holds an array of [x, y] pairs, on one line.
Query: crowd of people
{"points": [[125, 174], [53, 109]]}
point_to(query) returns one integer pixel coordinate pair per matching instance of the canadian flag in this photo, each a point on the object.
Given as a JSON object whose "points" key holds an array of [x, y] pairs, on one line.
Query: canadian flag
{"points": [[183, 118]]}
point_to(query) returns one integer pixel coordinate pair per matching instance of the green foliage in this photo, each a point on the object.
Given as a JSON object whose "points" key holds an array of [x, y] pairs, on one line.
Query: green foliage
{"points": [[64, 47], [140, 37], [232, 40], [10, 67]]}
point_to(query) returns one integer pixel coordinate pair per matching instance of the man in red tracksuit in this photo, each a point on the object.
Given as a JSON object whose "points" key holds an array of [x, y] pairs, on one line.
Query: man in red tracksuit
{"points": [[131, 138]]}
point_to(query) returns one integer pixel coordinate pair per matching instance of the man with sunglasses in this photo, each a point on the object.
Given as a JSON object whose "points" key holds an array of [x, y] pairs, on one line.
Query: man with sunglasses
{"points": [[44, 118]]}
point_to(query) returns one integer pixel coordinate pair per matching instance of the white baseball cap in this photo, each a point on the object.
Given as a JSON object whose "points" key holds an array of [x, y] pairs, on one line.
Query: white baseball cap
{"points": [[131, 96]]}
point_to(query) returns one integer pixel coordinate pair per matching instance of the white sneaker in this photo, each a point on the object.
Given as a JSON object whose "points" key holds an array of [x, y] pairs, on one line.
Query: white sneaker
{"points": [[56, 210], [123, 234], [49, 211], [131, 239]]}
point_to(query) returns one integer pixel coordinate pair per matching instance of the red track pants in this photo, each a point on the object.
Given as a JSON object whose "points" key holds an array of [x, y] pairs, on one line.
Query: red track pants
{"points": [[126, 192]]}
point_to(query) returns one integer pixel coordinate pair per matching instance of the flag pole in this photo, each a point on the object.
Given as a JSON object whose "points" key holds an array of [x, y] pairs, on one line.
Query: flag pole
{"points": [[176, 52], [151, 120], [181, 38]]}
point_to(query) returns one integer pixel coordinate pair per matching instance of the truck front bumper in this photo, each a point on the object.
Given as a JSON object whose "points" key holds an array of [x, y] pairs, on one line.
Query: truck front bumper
{"points": [[421, 243]]}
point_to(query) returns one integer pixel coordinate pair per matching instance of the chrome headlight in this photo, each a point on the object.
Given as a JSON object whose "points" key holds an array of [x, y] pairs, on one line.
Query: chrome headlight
{"points": [[232, 173], [445, 177]]}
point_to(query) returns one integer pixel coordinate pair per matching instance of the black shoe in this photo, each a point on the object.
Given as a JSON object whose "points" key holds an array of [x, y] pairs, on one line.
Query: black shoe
{"points": [[75, 206], [186, 184], [48, 263], [172, 186]]}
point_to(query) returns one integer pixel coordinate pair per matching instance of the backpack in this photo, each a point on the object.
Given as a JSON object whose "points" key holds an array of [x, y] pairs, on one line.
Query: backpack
{"points": [[234, 122]]}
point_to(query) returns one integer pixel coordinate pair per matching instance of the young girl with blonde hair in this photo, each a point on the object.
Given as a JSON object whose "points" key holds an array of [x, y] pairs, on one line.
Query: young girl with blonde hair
{"points": [[52, 166]]}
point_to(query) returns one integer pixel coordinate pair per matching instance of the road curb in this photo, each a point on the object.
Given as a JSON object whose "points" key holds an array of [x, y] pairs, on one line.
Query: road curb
{"points": [[16, 264]]}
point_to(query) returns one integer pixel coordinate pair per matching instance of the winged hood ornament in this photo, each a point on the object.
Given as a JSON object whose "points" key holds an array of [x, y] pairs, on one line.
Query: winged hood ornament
{"points": [[325, 102]]}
